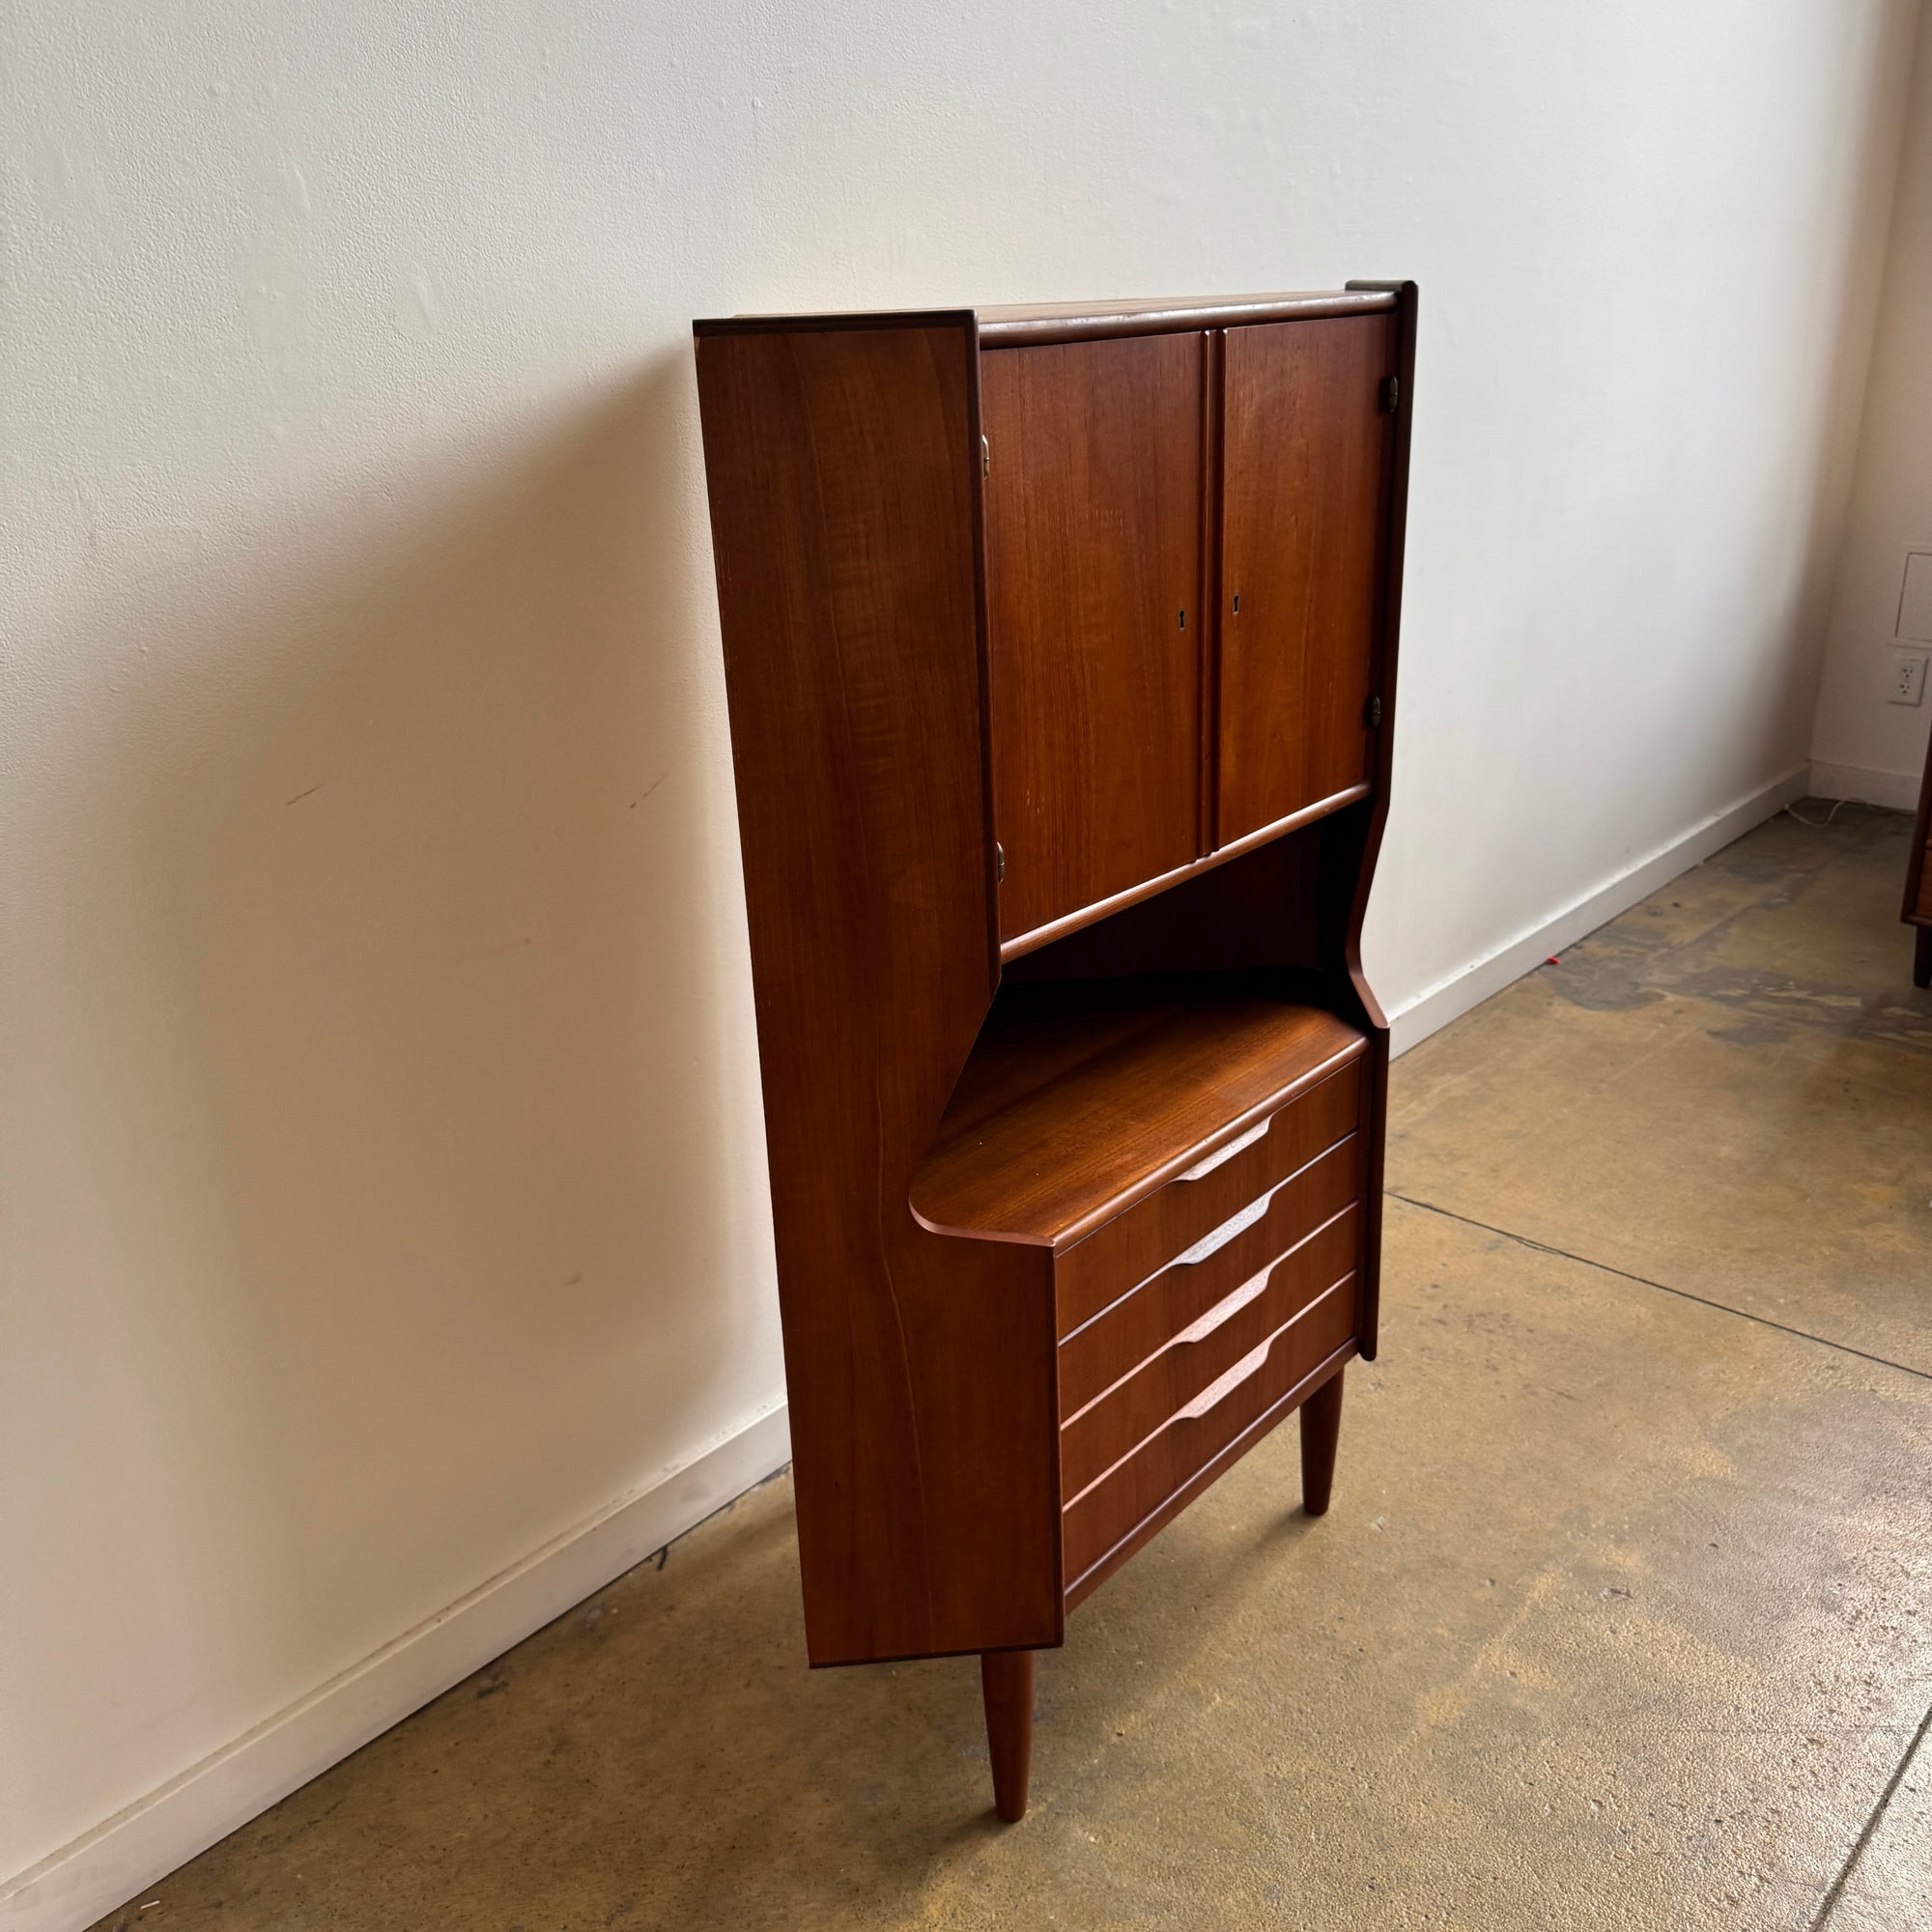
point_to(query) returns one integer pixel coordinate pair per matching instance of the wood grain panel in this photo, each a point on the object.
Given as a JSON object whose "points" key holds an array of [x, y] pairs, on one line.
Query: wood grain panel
{"points": [[1149, 1316], [1127, 1249], [1080, 1100], [1919, 884], [1306, 473], [1191, 1446], [1255, 1308], [1093, 556], [841, 466]]}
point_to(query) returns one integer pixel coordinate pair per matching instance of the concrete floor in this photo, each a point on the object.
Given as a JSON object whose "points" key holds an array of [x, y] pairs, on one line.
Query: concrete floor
{"points": [[1619, 1618]]}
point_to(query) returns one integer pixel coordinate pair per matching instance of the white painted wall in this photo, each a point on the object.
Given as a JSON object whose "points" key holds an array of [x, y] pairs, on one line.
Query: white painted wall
{"points": [[379, 1130], [1867, 747]]}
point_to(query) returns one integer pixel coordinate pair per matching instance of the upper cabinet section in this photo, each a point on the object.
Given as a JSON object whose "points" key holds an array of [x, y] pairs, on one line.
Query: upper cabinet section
{"points": [[1093, 553], [1186, 534], [1306, 459], [1181, 524]]}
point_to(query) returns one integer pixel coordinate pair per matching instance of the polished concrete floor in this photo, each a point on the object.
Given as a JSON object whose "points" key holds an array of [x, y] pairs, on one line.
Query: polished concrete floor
{"points": [[1622, 1616]]}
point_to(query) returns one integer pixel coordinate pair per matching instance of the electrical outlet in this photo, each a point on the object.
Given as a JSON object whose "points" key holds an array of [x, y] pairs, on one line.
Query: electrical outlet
{"points": [[1906, 682]]}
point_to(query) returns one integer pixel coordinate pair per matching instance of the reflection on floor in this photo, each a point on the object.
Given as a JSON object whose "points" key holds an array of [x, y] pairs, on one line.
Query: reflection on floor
{"points": [[1619, 1619]]}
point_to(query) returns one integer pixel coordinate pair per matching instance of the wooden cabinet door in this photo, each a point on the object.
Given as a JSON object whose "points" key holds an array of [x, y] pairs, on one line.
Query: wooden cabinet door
{"points": [[1306, 459], [1094, 553]]}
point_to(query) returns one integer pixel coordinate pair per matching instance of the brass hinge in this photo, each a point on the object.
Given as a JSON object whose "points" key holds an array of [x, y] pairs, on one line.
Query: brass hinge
{"points": [[1389, 395], [985, 457], [1372, 713], [999, 862]]}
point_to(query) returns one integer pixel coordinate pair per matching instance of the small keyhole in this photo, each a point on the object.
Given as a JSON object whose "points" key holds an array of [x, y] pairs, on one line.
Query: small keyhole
{"points": [[1184, 620], [1238, 603]]}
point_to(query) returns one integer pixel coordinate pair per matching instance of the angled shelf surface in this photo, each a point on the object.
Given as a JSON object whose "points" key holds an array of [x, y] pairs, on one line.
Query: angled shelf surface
{"points": [[1079, 1101]]}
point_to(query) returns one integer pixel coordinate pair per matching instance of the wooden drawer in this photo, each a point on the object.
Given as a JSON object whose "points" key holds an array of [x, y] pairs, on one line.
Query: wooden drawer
{"points": [[1132, 1411], [1114, 1507], [1130, 1247], [1148, 1318]]}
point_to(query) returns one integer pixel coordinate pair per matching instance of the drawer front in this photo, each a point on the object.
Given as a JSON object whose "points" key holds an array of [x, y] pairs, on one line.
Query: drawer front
{"points": [[1120, 1502], [1131, 1411], [1145, 1320], [1133, 1245]]}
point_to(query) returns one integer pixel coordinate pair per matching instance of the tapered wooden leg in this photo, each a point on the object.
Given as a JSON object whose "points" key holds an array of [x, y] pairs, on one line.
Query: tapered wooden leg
{"points": [[1321, 1426], [1005, 1682], [1921, 957]]}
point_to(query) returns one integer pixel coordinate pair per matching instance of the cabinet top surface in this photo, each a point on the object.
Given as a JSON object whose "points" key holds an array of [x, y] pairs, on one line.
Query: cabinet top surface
{"points": [[1005, 325]]}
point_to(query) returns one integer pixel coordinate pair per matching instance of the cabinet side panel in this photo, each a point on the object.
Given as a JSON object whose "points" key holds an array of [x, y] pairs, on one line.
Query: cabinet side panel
{"points": [[841, 473], [1389, 637], [1919, 873]]}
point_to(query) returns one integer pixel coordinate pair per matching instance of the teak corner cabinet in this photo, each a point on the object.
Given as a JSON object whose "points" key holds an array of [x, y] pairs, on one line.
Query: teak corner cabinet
{"points": [[1060, 646], [1918, 882]]}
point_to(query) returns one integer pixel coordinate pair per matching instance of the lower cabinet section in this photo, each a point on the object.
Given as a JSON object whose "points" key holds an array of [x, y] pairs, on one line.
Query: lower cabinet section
{"points": [[1265, 1250], [1195, 1158], [1189, 1369], [1095, 1271], [1198, 1439], [1192, 1322]]}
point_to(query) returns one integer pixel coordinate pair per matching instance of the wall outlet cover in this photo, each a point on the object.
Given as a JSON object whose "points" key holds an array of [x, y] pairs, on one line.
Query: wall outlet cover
{"points": [[1905, 683]]}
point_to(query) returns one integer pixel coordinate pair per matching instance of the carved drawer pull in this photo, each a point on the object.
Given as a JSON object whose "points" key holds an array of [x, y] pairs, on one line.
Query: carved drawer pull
{"points": [[1223, 1385], [1219, 1238], [1259, 1132], [1227, 1308]]}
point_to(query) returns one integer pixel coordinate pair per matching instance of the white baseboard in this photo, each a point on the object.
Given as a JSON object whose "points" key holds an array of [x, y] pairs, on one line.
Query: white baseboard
{"points": [[1867, 784], [1471, 985], [154, 1836]]}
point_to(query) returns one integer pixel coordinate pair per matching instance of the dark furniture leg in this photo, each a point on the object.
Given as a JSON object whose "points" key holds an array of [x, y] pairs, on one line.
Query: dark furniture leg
{"points": [[1921, 957], [1005, 1682], [1321, 1426]]}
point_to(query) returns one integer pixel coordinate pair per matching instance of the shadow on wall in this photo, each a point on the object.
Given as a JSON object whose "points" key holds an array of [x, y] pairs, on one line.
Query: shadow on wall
{"points": [[432, 864]]}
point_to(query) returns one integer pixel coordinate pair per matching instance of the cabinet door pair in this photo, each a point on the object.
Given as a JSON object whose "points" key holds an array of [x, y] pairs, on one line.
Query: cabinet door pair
{"points": [[1134, 730]]}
